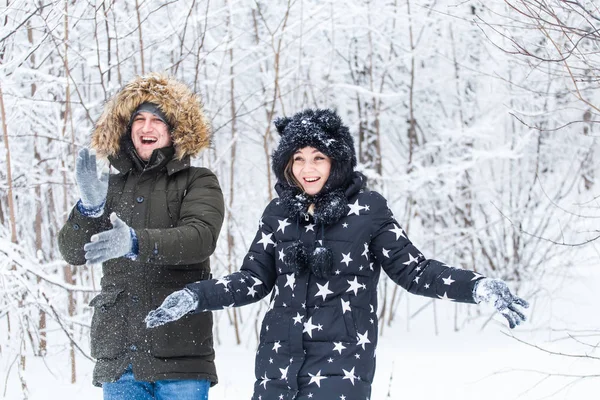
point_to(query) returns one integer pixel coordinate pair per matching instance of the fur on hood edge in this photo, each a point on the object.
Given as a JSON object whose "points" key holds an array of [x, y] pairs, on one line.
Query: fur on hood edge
{"points": [[184, 110]]}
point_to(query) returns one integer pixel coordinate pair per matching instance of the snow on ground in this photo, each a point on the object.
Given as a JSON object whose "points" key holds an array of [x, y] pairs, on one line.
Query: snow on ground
{"points": [[472, 364]]}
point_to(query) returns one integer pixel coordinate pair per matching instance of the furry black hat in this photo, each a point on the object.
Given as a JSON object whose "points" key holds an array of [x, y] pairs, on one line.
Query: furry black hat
{"points": [[323, 130]]}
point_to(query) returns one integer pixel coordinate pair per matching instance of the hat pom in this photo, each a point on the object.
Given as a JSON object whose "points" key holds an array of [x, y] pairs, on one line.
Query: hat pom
{"points": [[296, 257], [321, 261]]}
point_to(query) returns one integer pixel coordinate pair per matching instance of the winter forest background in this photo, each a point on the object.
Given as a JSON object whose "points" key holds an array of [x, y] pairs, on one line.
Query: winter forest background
{"points": [[477, 120]]}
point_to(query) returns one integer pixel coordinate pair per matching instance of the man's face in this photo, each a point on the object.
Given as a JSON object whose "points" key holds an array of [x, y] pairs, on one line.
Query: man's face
{"points": [[148, 132]]}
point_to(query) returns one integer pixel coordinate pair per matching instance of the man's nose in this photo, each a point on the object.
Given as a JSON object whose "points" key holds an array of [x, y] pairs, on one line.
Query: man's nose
{"points": [[147, 127]]}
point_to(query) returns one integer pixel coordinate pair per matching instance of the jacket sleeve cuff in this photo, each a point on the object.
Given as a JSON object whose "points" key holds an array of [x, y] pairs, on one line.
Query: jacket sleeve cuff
{"points": [[92, 212], [135, 248]]}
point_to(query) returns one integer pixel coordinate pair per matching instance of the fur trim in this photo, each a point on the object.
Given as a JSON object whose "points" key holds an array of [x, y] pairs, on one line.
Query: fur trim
{"points": [[330, 207], [323, 130], [190, 128], [321, 262], [296, 257]]}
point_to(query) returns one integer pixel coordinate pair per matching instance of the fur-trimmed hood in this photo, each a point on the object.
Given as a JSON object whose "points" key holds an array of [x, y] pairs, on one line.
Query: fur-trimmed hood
{"points": [[183, 108]]}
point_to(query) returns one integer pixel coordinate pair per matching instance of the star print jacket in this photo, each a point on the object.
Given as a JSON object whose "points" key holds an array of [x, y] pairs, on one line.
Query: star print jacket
{"points": [[318, 337]]}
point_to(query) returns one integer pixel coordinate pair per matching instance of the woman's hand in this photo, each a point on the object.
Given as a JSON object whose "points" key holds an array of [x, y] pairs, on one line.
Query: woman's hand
{"points": [[175, 306], [496, 292]]}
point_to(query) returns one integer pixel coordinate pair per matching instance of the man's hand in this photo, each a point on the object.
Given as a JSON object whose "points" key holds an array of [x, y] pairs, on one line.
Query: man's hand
{"points": [[496, 292], [175, 306], [113, 243], [91, 188]]}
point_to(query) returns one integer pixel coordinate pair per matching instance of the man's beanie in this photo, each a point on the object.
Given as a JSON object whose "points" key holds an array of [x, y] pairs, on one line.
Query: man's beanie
{"points": [[323, 130], [152, 109]]}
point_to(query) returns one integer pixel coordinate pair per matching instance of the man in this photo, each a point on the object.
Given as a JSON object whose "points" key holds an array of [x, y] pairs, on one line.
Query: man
{"points": [[153, 226]]}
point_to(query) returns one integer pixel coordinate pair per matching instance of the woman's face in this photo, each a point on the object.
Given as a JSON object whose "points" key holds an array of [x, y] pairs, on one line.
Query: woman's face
{"points": [[311, 168]]}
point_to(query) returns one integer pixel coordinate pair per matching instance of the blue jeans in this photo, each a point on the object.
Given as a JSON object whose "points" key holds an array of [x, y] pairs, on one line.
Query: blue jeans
{"points": [[127, 388]]}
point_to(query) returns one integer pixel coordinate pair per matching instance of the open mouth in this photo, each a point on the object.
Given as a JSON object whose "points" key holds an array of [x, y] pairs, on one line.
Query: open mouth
{"points": [[148, 140], [311, 180]]}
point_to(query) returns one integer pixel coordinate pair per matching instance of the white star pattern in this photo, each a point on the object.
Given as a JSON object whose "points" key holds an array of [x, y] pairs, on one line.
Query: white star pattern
{"points": [[323, 290], [284, 372], [355, 208], [282, 225], [411, 259], [366, 252], [251, 258], [298, 318], [276, 346], [399, 232], [256, 281], [476, 275], [416, 280], [291, 281], [310, 227], [264, 380], [266, 240], [354, 286], [448, 281], [260, 223], [316, 378], [345, 224], [386, 253], [363, 339], [309, 327], [338, 346], [346, 258], [281, 255], [345, 306], [426, 286], [350, 375], [251, 291], [222, 281], [445, 297]]}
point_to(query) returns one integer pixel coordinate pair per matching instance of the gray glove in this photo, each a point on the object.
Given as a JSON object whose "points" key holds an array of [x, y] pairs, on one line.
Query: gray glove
{"points": [[175, 306], [496, 292], [116, 242], [91, 189]]}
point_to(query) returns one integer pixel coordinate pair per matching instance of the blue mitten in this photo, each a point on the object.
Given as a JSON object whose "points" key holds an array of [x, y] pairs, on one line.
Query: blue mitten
{"points": [[91, 188], [496, 293], [117, 242], [175, 306]]}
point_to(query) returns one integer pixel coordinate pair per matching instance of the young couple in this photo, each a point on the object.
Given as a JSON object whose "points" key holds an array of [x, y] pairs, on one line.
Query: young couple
{"points": [[318, 253]]}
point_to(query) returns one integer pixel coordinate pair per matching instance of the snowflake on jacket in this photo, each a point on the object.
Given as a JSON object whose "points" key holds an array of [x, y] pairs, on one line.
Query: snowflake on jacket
{"points": [[318, 337]]}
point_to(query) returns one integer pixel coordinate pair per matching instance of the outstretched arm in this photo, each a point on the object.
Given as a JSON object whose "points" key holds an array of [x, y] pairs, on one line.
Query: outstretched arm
{"points": [[254, 281], [407, 266]]}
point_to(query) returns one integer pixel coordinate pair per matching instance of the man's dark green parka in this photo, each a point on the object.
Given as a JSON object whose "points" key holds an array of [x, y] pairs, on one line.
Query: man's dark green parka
{"points": [[176, 211]]}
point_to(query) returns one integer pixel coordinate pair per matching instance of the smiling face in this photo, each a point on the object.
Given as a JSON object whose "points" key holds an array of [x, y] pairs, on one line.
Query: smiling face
{"points": [[311, 169], [149, 132]]}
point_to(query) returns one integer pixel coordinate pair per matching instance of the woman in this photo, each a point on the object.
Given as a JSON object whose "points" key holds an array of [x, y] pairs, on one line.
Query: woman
{"points": [[319, 249]]}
